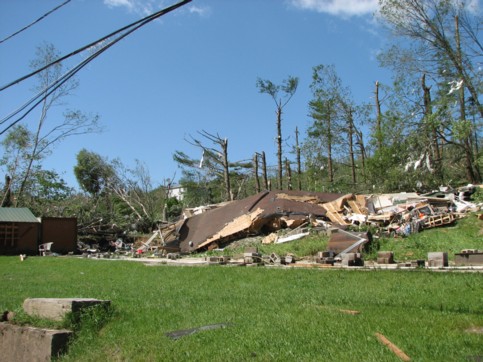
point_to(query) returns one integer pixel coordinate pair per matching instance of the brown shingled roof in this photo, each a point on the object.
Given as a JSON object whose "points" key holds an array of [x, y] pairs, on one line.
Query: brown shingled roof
{"points": [[217, 227]]}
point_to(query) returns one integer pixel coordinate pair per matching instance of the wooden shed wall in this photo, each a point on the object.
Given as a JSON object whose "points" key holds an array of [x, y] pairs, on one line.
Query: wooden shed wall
{"points": [[62, 232], [19, 238]]}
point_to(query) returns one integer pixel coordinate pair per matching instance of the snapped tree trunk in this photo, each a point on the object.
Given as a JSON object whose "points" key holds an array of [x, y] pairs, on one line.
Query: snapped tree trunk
{"points": [[264, 170], [378, 118], [299, 164], [226, 170], [289, 174], [351, 147], [279, 146], [431, 130], [255, 173]]}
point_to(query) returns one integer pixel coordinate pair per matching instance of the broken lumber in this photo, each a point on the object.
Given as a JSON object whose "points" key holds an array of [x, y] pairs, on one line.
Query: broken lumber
{"points": [[395, 349]]}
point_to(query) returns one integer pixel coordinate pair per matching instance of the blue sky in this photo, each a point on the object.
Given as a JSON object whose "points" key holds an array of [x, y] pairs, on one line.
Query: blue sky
{"points": [[194, 69]]}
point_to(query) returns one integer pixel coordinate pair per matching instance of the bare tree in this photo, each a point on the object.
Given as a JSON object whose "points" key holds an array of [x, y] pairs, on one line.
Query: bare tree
{"points": [[215, 159], [255, 173], [299, 163]]}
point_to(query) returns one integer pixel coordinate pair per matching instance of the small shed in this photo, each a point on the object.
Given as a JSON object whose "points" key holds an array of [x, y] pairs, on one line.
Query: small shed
{"points": [[19, 231], [62, 232]]}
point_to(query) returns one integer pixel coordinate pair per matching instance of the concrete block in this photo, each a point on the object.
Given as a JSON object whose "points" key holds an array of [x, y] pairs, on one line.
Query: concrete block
{"points": [[56, 308], [289, 259], [325, 254], [275, 259], [352, 259], [437, 259], [21, 343], [420, 263], [385, 257]]}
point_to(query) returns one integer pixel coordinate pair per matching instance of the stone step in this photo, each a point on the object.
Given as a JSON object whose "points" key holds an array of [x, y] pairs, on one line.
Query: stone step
{"points": [[56, 308], [21, 343]]}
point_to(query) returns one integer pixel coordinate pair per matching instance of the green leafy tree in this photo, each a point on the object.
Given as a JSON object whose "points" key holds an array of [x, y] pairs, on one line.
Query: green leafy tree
{"points": [[334, 114], [37, 144], [50, 195], [441, 43], [93, 173]]}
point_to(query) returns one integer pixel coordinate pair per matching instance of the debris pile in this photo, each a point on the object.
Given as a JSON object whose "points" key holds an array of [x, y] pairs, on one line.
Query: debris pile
{"points": [[269, 212], [262, 213]]}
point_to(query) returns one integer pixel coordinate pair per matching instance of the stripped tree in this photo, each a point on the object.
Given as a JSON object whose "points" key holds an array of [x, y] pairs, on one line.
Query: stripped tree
{"points": [[287, 88]]}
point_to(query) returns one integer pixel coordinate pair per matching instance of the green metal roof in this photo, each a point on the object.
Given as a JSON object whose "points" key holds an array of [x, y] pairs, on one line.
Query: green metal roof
{"points": [[20, 214]]}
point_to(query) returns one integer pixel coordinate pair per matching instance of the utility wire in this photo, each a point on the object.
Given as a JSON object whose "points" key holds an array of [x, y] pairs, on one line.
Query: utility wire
{"points": [[146, 19], [35, 22], [47, 91]]}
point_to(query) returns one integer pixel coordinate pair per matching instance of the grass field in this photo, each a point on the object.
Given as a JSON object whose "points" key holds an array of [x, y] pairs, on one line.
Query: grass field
{"points": [[273, 314]]}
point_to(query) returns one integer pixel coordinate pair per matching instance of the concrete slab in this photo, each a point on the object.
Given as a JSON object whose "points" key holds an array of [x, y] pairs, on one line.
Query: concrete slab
{"points": [[20, 343]]}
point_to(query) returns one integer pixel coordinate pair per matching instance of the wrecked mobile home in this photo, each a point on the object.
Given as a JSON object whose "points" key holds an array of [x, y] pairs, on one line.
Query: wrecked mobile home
{"points": [[217, 226]]}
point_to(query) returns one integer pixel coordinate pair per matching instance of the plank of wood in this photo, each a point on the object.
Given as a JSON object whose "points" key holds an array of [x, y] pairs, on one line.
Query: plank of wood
{"points": [[336, 217], [395, 349]]}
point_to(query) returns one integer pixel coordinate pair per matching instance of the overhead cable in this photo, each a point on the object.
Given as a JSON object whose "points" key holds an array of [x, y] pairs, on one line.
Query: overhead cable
{"points": [[143, 21], [35, 22], [49, 89]]}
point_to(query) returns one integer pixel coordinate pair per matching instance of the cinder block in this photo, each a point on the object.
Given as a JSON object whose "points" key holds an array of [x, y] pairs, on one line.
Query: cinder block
{"points": [[325, 254], [385, 257], [20, 343], [56, 308], [289, 259], [437, 259], [275, 259], [352, 259], [420, 263], [248, 260]]}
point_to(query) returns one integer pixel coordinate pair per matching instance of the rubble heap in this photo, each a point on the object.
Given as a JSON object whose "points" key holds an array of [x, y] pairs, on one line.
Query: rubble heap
{"points": [[208, 228]]}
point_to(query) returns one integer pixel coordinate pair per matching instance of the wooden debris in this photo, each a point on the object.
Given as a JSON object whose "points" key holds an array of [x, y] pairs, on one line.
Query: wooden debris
{"points": [[395, 349], [439, 220], [336, 208], [270, 238], [348, 311], [241, 223]]}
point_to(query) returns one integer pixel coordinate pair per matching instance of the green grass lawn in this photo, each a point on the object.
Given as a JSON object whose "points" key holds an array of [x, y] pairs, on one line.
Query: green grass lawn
{"points": [[274, 314]]}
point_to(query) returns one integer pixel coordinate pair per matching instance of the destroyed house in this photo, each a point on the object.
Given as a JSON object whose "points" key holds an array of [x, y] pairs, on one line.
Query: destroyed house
{"points": [[260, 213], [19, 231]]}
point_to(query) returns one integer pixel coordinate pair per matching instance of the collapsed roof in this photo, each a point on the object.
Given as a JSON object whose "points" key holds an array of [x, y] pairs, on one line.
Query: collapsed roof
{"points": [[263, 212]]}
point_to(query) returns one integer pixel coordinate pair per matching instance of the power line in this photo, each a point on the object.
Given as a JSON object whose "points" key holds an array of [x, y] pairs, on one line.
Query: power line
{"points": [[35, 22], [143, 20], [47, 91]]}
